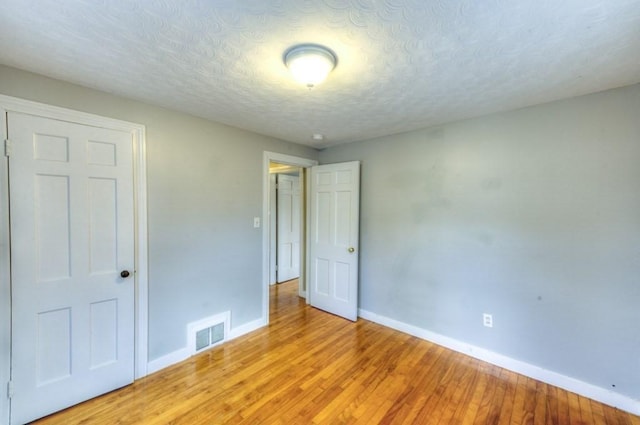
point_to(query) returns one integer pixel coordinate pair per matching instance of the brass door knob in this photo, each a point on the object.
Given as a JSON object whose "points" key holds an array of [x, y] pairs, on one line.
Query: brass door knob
{"points": [[352, 249]]}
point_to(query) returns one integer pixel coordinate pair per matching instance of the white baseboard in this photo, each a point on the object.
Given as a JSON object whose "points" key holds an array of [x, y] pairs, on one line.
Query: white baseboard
{"points": [[246, 328], [168, 360], [568, 383], [184, 353]]}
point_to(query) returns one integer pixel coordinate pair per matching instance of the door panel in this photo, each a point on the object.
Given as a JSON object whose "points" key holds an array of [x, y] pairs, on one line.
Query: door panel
{"points": [[289, 218], [72, 232], [103, 226], [333, 246]]}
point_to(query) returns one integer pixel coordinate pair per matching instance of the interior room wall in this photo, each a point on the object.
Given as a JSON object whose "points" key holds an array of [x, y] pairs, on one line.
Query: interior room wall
{"points": [[204, 188], [531, 216]]}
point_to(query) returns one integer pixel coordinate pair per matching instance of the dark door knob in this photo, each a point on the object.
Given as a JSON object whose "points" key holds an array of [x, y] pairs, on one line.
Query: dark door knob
{"points": [[124, 273]]}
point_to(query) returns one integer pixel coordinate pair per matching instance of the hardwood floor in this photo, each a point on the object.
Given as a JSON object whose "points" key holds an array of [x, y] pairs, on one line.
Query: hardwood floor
{"points": [[309, 367]]}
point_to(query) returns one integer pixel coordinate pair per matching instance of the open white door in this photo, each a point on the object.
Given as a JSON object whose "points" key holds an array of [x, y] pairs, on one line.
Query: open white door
{"points": [[333, 245], [72, 263], [288, 212]]}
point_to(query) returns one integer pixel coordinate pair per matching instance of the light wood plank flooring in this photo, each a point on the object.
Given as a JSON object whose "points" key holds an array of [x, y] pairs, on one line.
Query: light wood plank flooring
{"points": [[309, 367]]}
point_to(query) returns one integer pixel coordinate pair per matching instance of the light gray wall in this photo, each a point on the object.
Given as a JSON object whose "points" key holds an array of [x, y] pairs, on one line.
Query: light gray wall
{"points": [[531, 215], [204, 188]]}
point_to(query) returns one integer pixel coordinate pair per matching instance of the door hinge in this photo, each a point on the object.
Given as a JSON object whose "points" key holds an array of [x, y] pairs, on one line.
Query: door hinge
{"points": [[7, 147], [9, 389]]}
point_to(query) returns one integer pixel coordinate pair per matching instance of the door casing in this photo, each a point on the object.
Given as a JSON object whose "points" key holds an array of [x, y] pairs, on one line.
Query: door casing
{"points": [[295, 161], [8, 103]]}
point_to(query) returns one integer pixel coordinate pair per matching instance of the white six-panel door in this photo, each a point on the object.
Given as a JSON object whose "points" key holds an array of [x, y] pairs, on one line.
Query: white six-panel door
{"points": [[72, 234], [333, 268], [288, 216]]}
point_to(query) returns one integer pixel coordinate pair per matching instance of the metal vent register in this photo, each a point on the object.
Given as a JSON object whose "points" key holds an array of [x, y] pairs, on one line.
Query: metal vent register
{"points": [[209, 336], [208, 332]]}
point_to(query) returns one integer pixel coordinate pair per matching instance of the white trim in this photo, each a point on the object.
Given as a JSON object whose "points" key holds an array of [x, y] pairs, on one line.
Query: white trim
{"points": [[141, 253], [168, 360], [5, 276], [246, 328], [267, 157], [15, 104], [8, 103], [568, 383], [184, 353]]}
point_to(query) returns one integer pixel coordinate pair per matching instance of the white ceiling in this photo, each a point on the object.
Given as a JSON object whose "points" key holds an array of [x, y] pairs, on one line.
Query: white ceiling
{"points": [[402, 64]]}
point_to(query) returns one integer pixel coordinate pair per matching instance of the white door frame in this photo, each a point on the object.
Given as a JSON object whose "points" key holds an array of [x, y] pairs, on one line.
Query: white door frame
{"points": [[267, 158], [8, 103]]}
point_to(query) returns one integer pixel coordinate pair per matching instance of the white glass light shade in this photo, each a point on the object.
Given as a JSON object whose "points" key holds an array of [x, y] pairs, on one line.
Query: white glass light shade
{"points": [[309, 64]]}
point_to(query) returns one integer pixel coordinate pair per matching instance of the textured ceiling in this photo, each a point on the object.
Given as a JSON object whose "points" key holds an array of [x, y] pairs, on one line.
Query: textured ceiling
{"points": [[402, 64]]}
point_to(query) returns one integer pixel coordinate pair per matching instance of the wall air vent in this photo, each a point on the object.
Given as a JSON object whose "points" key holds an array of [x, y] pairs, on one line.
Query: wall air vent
{"points": [[208, 332]]}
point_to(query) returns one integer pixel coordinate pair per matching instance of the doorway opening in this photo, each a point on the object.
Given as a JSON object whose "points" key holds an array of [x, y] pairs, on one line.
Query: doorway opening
{"points": [[284, 251], [286, 223], [329, 233]]}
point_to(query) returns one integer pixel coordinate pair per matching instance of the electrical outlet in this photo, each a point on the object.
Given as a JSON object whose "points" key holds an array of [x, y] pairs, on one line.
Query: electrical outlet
{"points": [[487, 320]]}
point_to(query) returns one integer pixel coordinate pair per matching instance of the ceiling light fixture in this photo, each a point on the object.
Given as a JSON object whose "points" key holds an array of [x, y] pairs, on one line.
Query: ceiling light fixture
{"points": [[310, 63]]}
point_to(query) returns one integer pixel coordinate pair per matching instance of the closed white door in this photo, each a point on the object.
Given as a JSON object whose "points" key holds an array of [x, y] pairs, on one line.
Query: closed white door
{"points": [[288, 212], [333, 269], [72, 246]]}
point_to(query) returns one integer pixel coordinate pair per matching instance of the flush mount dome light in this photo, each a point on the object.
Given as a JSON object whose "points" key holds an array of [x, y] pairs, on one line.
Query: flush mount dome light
{"points": [[310, 63]]}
